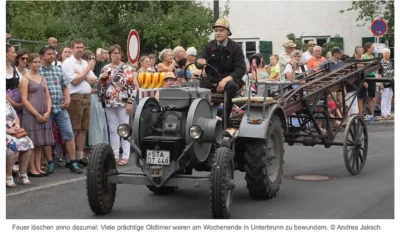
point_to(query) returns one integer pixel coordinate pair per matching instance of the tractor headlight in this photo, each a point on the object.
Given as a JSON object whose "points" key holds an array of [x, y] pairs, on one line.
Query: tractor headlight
{"points": [[124, 130], [195, 132]]}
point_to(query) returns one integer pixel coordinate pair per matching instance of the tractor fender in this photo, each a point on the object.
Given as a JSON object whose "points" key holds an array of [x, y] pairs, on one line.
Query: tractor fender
{"points": [[253, 130]]}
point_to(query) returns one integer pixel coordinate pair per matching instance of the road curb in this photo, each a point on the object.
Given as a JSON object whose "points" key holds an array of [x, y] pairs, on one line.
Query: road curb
{"points": [[380, 123]]}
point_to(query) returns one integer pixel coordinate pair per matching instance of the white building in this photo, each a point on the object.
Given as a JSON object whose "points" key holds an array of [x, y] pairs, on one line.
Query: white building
{"points": [[262, 26]]}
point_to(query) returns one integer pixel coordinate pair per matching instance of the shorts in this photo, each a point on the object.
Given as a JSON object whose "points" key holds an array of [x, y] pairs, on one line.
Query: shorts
{"points": [[349, 99], [79, 111], [370, 91], [64, 124]]}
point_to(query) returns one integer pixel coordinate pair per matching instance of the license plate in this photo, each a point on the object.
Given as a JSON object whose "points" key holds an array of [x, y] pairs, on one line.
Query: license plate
{"points": [[157, 157]]}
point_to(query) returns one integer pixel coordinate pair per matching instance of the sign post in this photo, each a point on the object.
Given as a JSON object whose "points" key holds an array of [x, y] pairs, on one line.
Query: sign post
{"points": [[133, 46], [378, 28]]}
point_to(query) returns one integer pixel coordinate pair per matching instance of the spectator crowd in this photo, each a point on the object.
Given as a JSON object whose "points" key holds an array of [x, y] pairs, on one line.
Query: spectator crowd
{"points": [[63, 101]]}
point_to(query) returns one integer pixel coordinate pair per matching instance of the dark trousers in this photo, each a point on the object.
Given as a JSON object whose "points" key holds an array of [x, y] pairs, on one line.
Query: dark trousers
{"points": [[231, 88]]}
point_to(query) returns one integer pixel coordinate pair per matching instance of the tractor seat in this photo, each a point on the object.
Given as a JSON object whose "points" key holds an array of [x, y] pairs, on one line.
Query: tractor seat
{"points": [[217, 98]]}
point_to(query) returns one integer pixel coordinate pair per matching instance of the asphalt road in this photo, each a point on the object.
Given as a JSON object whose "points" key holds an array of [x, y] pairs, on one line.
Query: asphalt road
{"points": [[369, 195]]}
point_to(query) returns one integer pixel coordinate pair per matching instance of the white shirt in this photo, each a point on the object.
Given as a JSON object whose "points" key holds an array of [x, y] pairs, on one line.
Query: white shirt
{"points": [[304, 58], [69, 67], [289, 69]]}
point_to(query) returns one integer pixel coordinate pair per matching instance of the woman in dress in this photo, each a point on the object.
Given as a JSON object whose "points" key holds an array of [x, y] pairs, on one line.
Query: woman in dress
{"points": [[36, 115], [16, 148], [12, 81], [118, 83]]}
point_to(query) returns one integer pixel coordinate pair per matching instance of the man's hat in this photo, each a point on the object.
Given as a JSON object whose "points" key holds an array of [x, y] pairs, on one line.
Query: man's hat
{"points": [[169, 75], [223, 22], [289, 44], [311, 42]]}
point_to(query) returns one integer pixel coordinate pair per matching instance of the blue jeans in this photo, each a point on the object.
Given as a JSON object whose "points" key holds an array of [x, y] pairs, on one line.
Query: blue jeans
{"points": [[64, 124]]}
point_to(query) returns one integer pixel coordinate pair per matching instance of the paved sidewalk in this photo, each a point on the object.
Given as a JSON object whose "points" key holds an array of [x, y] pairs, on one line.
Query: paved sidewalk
{"points": [[381, 121]]}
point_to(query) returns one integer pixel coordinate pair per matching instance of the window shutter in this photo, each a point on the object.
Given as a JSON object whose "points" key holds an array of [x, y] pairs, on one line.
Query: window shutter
{"points": [[367, 40], [266, 50], [338, 40]]}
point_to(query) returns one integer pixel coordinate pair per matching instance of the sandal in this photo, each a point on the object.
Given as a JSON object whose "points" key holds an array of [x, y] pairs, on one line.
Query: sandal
{"points": [[123, 162], [24, 179], [10, 182]]}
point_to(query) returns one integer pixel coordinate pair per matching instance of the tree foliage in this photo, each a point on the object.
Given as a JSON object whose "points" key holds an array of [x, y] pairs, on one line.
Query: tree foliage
{"points": [[160, 24], [369, 10]]}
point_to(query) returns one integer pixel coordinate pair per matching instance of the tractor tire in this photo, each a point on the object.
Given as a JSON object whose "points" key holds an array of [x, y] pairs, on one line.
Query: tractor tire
{"points": [[162, 190], [101, 195], [221, 183], [264, 162]]}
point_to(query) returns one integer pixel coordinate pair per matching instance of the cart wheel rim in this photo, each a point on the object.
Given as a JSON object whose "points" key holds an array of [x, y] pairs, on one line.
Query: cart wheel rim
{"points": [[272, 160], [355, 145]]}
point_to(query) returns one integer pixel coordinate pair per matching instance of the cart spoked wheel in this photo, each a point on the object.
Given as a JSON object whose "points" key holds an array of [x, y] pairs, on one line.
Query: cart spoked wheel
{"points": [[101, 194], [221, 183], [264, 162], [355, 145], [162, 190]]}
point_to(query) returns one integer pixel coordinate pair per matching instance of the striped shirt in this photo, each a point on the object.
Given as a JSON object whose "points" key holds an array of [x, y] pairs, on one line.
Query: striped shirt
{"points": [[55, 83]]}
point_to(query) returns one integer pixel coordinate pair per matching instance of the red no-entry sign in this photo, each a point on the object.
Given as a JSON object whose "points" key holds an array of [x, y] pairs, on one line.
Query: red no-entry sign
{"points": [[133, 46], [379, 27]]}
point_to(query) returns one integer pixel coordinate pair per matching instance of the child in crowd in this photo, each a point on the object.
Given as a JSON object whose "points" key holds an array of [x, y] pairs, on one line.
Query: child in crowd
{"points": [[274, 69]]}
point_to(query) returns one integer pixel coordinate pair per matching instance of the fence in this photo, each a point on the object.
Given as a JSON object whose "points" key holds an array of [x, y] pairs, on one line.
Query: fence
{"points": [[31, 46]]}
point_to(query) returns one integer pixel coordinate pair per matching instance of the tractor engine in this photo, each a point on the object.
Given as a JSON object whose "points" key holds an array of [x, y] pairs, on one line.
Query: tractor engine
{"points": [[174, 133]]}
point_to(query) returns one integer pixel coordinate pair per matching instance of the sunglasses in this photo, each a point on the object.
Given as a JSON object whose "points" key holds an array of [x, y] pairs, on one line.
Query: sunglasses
{"points": [[24, 58]]}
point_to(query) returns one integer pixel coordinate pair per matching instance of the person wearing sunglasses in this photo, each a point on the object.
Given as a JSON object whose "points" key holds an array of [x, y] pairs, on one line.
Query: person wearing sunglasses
{"points": [[21, 62]]}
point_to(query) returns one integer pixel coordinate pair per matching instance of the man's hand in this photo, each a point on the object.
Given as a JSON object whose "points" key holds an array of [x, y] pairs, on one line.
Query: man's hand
{"points": [[201, 62], [365, 84], [66, 102], [222, 83]]}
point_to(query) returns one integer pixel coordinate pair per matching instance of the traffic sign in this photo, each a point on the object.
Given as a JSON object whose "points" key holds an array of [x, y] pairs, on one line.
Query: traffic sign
{"points": [[133, 46], [379, 27]]}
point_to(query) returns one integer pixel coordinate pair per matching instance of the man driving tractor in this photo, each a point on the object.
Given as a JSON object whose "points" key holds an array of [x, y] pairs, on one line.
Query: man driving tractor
{"points": [[227, 57]]}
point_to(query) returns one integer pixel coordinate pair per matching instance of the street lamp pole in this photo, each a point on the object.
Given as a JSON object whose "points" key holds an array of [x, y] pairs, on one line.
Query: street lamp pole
{"points": [[216, 10]]}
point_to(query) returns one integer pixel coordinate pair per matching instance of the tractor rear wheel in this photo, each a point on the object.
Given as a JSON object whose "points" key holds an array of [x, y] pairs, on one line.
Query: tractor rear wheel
{"points": [[264, 162]]}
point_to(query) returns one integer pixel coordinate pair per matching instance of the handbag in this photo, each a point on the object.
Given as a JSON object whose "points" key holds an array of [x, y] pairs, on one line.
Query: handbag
{"points": [[21, 133]]}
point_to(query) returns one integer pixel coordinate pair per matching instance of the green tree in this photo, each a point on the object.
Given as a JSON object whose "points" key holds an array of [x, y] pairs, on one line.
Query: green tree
{"points": [[369, 10], [160, 24]]}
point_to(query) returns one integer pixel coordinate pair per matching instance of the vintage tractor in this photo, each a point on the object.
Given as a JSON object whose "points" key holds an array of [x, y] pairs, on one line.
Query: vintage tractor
{"points": [[179, 135]]}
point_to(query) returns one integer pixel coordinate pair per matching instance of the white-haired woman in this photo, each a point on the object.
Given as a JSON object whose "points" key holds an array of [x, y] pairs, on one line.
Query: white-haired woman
{"points": [[387, 71], [294, 68], [167, 61]]}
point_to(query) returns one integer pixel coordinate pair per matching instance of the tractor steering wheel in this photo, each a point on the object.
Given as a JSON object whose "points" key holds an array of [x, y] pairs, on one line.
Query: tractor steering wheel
{"points": [[204, 79]]}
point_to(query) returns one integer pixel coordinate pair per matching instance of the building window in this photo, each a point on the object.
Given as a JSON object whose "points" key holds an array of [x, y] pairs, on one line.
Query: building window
{"points": [[320, 41], [249, 46]]}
